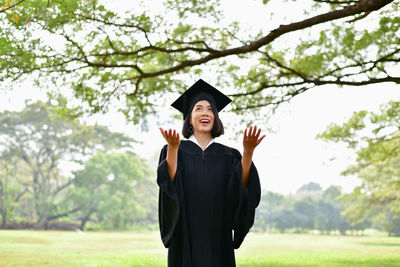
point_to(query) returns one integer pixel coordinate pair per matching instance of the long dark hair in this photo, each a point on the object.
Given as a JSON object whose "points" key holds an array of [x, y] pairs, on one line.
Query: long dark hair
{"points": [[218, 127]]}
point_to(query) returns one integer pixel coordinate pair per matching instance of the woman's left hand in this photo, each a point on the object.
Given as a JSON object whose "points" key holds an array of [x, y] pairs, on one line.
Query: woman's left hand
{"points": [[251, 139]]}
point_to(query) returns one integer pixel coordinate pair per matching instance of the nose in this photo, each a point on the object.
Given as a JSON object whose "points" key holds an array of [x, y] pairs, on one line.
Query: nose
{"points": [[205, 114]]}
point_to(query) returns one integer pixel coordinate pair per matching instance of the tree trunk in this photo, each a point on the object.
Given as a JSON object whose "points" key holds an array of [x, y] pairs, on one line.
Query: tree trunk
{"points": [[83, 222], [3, 199], [42, 223], [85, 219], [40, 199], [2, 207], [3, 219]]}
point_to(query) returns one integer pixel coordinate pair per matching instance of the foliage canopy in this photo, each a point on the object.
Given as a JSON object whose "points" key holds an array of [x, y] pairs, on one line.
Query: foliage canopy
{"points": [[376, 139], [137, 56], [34, 144]]}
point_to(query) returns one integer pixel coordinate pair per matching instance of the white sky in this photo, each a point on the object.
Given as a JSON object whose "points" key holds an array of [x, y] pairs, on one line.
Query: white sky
{"points": [[287, 158]]}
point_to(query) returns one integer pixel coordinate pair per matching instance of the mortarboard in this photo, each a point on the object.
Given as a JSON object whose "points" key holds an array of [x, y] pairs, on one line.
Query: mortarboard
{"points": [[200, 90]]}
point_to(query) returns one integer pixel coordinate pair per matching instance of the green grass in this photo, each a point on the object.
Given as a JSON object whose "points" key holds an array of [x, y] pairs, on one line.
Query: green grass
{"points": [[53, 248], [316, 250]]}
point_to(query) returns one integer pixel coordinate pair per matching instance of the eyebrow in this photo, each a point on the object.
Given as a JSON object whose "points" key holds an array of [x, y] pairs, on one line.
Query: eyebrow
{"points": [[200, 105]]}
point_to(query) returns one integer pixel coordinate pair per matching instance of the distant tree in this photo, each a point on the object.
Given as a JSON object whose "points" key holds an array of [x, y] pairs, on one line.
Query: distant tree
{"points": [[310, 187], [268, 210], [332, 193], [42, 139], [285, 220], [310, 190], [11, 191], [375, 137], [303, 211], [391, 223], [327, 218], [115, 189], [139, 56], [332, 196], [306, 212]]}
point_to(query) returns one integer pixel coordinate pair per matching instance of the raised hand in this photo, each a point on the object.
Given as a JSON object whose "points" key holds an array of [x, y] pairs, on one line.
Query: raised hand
{"points": [[172, 138], [251, 139]]}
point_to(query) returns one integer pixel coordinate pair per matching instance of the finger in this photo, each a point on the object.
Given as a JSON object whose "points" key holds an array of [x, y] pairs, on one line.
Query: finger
{"points": [[245, 133], [162, 131], [258, 133], [254, 130], [169, 132], [250, 131], [259, 140]]}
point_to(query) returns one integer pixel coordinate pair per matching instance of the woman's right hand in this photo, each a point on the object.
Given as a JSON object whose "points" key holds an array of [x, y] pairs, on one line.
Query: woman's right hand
{"points": [[172, 138]]}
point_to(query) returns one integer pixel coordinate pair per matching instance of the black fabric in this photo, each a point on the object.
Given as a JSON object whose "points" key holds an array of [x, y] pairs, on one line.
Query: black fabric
{"points": [[186, 100], [198, 212], [202, 96]]}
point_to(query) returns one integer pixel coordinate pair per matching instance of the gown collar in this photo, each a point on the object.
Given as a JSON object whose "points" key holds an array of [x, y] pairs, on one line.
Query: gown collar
{"points": [[194, 140]]}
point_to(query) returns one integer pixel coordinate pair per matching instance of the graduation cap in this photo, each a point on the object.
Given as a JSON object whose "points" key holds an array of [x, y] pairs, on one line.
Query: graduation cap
{"points": [[200, 90]]}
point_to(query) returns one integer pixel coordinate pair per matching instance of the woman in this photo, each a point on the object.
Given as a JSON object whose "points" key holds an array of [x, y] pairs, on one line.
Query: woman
{"points": [[206, 189]]}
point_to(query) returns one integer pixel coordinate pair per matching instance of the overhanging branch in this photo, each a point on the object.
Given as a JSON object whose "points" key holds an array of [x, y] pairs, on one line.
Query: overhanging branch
{"points": [[11, 6], [308, 84], [359, 7]]}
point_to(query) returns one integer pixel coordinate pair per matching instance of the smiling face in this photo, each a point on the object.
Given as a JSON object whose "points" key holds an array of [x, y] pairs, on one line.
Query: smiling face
{"points": [[202, 117]]}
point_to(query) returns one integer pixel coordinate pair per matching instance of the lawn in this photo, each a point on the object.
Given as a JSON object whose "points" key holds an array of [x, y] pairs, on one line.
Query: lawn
{"points": [[53, 248]]}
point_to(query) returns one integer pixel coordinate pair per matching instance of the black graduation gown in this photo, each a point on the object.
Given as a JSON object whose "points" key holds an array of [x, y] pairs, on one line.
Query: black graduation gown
{"points": [[199, 210]]}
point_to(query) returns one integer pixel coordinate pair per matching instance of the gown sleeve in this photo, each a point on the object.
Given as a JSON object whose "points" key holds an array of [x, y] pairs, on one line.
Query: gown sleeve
{"points": [[245, 201], [168, 203]]}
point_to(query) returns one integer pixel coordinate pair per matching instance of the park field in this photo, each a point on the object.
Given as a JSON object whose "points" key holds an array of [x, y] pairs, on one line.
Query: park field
{"points": [[57, 248]]}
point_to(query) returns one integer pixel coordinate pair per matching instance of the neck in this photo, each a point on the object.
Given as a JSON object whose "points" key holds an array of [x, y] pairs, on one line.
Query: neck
{"points": [[202, 138]]}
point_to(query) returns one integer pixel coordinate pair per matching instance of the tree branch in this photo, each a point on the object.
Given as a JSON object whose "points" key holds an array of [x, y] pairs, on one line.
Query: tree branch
{"points": [[7, 8], [77, 46], [359, 7], [155, 48], [287, 97], [62, 187], [336, 2], [125, 25], [63, 214], [20, 194]]}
